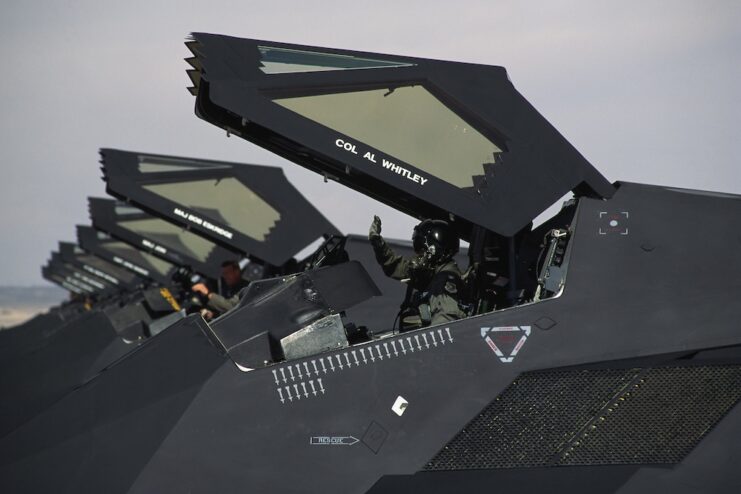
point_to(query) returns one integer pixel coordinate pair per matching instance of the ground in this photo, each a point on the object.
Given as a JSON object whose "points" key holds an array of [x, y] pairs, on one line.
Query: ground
{"points": [[18, 304]]}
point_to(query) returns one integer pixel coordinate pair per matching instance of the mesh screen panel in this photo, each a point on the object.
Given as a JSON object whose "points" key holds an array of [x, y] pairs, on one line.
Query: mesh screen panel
{"points": [[595, 417]]}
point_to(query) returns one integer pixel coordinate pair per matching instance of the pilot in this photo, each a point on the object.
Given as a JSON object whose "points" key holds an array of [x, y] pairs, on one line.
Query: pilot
{"points": [[228, 296], [433, 277]]}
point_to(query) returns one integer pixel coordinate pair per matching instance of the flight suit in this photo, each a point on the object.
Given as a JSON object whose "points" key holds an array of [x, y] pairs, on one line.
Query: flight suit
{"points": [[438, 288], [223, 302]]}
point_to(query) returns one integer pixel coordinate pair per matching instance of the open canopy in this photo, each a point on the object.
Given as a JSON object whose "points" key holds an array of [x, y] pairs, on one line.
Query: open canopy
{"points": [[430, 138], [90, 263], [87, 282], [54, 276], [158, 237], [248, 208], [123, 254]]}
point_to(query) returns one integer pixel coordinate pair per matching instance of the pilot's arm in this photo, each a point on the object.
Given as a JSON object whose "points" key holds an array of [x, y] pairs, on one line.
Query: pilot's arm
{"points": [[394, 265], [221, 304]]}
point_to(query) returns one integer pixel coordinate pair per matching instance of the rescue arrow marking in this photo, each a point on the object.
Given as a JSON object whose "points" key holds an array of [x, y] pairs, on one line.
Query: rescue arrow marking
{"points": [[419, 345], [288, 390], [331, 365], [333, 441], [298, 395], [321, 361], [313, 389], [316, 371], [308, 372], [380, 355], [275, 375], [339, 360], [442, 338], [432, 335], [290, 371], [347, 358], [396, 353], [321, 386], [355, 356], [450, 338], [306, 393], [280, 393], [411, 345], [403, 348], [386, 346], [362, 354], [370, 352], [283, 373], [298, 369], [424, 337]]}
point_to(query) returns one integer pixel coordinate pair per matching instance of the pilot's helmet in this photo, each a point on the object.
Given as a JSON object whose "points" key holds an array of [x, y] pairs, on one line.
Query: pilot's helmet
{"points": [[436, 239]]}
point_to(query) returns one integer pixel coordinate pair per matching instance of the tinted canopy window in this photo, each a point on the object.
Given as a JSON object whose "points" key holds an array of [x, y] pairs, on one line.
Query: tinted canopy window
{"points": [[171, 236], [226, 200], [126, 210], [159, 165], [408, 123], [283, 60], [138, 257]]}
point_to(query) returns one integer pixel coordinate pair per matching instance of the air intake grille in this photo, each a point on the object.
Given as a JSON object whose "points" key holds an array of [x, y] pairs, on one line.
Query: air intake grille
{"points": [[595, 417]]}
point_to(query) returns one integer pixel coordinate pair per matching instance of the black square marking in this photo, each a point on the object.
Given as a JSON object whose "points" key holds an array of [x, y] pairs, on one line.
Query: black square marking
{"points": [[375, 436]]}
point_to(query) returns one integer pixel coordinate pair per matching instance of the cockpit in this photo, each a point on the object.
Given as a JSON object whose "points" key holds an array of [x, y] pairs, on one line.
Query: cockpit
{"points": [[434, 139]]}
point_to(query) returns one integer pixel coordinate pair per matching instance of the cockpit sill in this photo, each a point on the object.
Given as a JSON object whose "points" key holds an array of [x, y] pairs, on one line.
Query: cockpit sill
{"points": [[420, 338]]}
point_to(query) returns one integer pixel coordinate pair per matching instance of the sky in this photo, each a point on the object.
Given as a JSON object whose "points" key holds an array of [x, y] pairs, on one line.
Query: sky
{"points": [[648, 91]]}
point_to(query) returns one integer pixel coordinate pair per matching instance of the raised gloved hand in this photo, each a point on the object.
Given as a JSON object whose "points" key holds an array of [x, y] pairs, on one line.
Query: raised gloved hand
{"points": [[375, 229]]}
